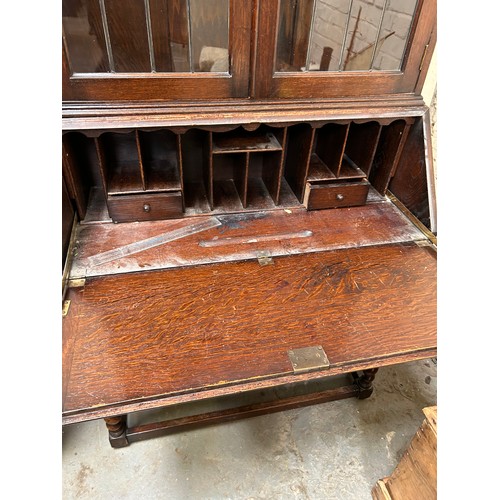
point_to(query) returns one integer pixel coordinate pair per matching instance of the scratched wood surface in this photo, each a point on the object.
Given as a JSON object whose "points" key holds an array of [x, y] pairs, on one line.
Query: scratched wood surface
{"points": [[128, 338], [240, 236]]}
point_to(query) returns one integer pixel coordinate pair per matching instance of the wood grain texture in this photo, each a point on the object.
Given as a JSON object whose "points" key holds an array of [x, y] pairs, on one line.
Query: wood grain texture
{"points": [[362, 144], [410, 183], [415, 477], [108, 115], [390, 145], [231, 322], [330, 145], [128, 35], [298, 156], [145, 207], [335, 195], [242, 236]]}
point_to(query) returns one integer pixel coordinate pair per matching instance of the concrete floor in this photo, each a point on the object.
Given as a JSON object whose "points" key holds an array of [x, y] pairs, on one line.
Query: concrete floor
{"points": [[331, 451]]}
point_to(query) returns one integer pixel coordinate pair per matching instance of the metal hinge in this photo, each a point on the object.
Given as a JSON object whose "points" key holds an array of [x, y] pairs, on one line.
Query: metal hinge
{"points": [[308, 359], [65, 307], [76, 283], [264, 258]]}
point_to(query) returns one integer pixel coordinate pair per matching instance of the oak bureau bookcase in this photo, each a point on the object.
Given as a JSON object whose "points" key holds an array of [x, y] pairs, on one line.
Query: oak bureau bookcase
{"points": [[248, 202]]}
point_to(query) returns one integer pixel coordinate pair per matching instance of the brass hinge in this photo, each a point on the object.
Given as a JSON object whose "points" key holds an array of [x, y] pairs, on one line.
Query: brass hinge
{"points": [[423, 57], [264, 258], [308, 359], [76, 282], [65, 307]]}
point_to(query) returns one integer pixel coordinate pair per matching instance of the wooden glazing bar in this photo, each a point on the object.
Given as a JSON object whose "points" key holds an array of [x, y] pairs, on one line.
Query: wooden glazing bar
{"points": [[310, 26], [105, 25], [160, 35], [150, 36], [128, 35], [190, 35], [377, 38]]}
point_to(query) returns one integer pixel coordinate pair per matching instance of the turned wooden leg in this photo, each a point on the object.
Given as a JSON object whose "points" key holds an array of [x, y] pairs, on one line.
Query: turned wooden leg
{"points": [[117, 428], [365, 383]]}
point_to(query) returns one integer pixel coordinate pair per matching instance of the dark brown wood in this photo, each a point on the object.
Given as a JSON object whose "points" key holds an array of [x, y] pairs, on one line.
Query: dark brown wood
{"points": [[241, 236], [68, 217], [362, 144], [349, 301], [109, 115], [411, 183], [390, 147], [241, 178], [239, 143], [293, 34], [326, 57], [126, 21], [324, 84], [365, 383], [144, 207], [153, 430], [117, 428], [335, 195], [160, 86], [330, 144], [194, 301], [75, 184], [161, 34], [160, 160], [298, 156]]}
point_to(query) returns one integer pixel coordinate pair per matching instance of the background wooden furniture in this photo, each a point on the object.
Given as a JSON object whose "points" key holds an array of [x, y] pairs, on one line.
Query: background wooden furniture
{"points": [[415, 476], [214, 188]]}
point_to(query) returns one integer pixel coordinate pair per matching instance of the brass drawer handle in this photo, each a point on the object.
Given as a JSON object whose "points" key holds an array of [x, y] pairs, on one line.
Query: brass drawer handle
{"points": [[340, 197], [147, 208]]}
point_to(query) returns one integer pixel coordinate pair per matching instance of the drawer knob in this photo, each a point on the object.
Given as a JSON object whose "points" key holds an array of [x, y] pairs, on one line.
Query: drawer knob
{"points": [[147, 207], [340, 197]]}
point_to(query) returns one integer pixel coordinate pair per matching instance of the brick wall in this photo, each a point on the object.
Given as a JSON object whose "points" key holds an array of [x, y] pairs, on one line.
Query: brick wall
{"points": [[329, 29]]}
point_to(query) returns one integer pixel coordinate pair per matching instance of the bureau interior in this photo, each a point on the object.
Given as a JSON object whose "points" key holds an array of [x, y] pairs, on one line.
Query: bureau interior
{"points": [[163, 173]]}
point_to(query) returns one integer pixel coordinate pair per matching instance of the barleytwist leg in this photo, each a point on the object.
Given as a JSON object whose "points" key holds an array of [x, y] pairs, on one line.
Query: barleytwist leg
{"points": [[117, 428]]}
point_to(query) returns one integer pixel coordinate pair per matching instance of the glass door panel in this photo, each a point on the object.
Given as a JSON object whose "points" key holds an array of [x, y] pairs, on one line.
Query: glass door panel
{"points": [[343, 35], [140, 36], [165, 42], [329, 48]]}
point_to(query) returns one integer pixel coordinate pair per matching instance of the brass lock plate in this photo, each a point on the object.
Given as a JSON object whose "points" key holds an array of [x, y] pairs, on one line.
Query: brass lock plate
{"points": [[308, 359]]}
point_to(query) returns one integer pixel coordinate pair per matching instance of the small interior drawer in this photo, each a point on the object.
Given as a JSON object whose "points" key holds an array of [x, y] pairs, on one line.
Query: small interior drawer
{"points": [[335, 195], [144, 207]]}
